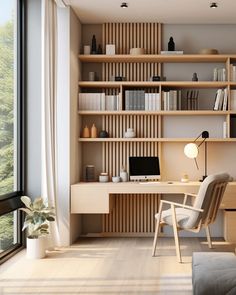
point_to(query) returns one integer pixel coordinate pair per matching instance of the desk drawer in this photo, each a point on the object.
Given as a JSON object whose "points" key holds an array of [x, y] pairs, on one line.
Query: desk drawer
{"points": [[85, 199]]}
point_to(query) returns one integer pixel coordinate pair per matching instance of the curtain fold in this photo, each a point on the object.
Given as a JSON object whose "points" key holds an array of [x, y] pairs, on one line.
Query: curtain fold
{"points": [[49, 113]]}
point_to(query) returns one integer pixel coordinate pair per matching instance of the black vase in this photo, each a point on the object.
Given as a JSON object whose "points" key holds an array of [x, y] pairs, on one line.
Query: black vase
{"points": [[171, 44], [94, 45]]}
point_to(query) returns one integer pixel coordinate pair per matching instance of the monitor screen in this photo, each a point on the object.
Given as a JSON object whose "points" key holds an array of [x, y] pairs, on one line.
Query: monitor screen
{"points": [[144, 168]]}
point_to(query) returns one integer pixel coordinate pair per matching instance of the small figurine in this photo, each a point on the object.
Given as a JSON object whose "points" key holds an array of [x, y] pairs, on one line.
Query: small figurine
{"points": [[94, 45], [171, 44], [99, 49], [194, 78]]}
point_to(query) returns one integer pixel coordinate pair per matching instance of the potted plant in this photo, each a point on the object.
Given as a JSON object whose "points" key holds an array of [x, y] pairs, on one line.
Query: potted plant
{"points": [[38, 216]]}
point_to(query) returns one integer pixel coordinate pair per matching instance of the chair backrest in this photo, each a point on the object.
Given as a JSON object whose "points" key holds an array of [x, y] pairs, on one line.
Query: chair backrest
{"points": [[209, 198]]}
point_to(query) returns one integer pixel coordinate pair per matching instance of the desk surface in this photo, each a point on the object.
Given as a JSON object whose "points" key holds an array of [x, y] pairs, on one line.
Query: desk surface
{"points": [[88, 197]]}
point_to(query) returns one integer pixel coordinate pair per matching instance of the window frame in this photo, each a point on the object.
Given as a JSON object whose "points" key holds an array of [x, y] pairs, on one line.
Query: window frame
{"points": [[11, 201]]}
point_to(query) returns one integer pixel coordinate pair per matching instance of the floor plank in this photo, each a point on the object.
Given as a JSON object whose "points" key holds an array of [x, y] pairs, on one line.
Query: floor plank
{"points": [[106, 266]]}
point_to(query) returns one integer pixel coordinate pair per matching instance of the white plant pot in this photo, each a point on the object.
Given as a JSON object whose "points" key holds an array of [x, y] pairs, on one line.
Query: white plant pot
{"points": [[36, 248]]}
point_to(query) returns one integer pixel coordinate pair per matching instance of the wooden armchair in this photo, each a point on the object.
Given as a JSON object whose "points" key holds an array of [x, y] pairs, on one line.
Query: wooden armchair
{"points": [[193, 218]]}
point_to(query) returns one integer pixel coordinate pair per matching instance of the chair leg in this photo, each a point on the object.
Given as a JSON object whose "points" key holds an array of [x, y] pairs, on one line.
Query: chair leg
{"points": [[208, 237], [156, 230], [177, 247]]}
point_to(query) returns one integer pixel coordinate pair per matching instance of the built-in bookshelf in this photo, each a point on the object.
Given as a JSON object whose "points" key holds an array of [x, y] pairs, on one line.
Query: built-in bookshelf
{"points": [[158, 111]]}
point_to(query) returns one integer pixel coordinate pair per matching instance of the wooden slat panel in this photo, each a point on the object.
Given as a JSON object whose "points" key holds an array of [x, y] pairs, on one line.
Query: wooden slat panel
{"points": [[132, 213]]}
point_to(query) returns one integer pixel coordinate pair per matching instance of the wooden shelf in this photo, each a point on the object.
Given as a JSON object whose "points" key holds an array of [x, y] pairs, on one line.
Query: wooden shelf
{"points": [[176, 84], [161, 113], [175, 58], [154, 139]]}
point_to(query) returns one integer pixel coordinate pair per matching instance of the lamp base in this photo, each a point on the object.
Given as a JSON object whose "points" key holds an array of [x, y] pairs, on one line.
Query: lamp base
{"points": [[203, 177]]}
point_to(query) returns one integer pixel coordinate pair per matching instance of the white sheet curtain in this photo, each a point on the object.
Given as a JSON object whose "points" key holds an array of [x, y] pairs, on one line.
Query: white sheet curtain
{"points": [[49, 119]]}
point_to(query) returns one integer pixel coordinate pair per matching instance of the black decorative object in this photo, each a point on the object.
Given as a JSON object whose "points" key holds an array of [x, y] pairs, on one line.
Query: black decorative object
{"points": [[156, 78], [194, 78], [103, 134], [94, 45], [99, 49], [171, 44]]}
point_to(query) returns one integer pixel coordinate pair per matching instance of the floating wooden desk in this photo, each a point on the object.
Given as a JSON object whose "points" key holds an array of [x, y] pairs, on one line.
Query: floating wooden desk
{"points": [[128, 208], [95, 197]]}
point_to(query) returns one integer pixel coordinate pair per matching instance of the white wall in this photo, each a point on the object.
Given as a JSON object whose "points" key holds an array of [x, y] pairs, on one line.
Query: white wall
{"points": [[33, 87]]}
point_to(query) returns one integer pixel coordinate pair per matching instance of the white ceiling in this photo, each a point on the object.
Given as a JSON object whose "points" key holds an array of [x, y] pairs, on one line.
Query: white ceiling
{"points": [[163, 11]]}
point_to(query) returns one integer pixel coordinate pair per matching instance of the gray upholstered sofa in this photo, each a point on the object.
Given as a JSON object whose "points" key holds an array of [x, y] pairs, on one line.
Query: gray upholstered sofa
{"points": [[214, 273]]}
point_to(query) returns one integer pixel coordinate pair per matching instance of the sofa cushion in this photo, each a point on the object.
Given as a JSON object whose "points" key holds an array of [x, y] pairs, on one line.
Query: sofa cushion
{"points": [[214, 273]]}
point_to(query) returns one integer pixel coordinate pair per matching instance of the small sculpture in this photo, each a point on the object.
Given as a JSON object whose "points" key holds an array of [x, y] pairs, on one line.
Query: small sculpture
{"points": [[171, 44], [99, 49], [94, 45], [195, 77], [103, 134]]}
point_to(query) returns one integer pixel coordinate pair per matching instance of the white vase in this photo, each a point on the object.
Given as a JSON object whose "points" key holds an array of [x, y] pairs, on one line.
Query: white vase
{"points": [[36, 248], [130, 133]]}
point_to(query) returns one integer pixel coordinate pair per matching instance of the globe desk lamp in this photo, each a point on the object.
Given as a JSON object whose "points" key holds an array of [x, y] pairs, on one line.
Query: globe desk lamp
{"points": [[191, 150]]}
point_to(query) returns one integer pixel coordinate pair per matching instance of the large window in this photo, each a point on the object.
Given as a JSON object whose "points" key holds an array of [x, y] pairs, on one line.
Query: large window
{"points": [[11, 123]]}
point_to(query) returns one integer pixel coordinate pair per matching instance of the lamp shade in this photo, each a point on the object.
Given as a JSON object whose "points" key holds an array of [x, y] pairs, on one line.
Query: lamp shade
{"points": [[191, 150]]}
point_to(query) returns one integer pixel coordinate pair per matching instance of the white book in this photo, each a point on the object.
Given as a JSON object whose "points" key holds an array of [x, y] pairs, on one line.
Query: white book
{"points": [[158, 101], [221, 100], [153, 101], [146, 101], [149, 101], [223, 74], [215, 74], [225, 100], [103, 102], [165, 101], [217, 99]]}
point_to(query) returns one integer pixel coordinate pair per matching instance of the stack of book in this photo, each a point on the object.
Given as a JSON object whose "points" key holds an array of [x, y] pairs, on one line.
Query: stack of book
{"points": [[134, 100], [221, 100], [171, 100], [152, 102], [233, 99], [99, 102], [219, 74], [232, 72], [192, 99]]}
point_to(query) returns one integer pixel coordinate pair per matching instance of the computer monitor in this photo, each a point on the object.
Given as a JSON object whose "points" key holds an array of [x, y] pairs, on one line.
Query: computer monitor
{"points": [[144, 168]]}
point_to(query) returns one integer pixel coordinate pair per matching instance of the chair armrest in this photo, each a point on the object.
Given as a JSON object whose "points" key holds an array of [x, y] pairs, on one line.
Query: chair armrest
{"points": [[186, 196], [182, 205]]}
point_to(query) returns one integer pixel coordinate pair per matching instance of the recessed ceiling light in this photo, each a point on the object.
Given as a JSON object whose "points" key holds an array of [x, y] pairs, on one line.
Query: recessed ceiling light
{"points": [[124, 5], [213, 5]]}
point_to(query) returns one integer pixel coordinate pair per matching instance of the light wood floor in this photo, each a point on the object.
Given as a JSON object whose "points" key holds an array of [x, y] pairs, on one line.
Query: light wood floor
{"points": [[106, 266]]}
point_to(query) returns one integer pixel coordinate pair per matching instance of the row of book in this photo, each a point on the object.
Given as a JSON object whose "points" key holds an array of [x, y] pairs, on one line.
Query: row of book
{"points": [[221, 100], [219, 74], [232, 72], [171, 100], [138, 100], [99, 102]]}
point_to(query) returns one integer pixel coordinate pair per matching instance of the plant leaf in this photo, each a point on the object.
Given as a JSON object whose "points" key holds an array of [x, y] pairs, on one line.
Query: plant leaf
{"points": [[26, 200], [38, 204], [27, 211]]}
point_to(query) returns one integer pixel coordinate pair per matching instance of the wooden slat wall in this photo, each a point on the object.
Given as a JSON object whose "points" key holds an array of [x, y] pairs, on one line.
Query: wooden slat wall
{"points": [[132, 213], [131, 35], [116, 154], [145, 126]]}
